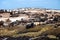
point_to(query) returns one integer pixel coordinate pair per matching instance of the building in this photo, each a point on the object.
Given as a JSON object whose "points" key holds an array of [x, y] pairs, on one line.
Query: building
{"points": [[5, 15]]}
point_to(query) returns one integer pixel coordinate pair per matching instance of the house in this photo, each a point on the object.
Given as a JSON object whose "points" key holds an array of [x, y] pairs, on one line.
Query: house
{"points": [[5, 15], [36, 23], [24, 16]]}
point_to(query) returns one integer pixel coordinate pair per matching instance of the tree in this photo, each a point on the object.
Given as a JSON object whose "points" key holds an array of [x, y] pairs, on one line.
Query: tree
{"points": [[1, 11], [5, 10], [46, 15], [55, 19], [41, 14], [8, 20]]}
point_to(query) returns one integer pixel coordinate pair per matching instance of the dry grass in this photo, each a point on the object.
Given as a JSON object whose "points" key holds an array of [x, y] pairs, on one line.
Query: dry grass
{"points": [[39, 31], [6, 32], [32, 32], [11, 31], [35, 29], [42, 30]]}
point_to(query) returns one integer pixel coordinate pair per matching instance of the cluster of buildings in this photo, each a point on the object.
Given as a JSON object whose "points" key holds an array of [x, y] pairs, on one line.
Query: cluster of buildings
{"points": [[29, 14]]}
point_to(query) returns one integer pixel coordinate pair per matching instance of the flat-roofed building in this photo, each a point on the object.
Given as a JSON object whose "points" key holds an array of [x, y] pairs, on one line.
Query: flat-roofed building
{"points": [[5, 15]]}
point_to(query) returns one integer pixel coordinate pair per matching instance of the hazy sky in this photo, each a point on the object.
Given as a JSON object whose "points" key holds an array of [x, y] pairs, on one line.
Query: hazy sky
{"points": [[11, 4]]}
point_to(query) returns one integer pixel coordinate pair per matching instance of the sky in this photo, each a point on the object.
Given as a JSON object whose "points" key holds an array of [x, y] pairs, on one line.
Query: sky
{"points": [[12, 4]]}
